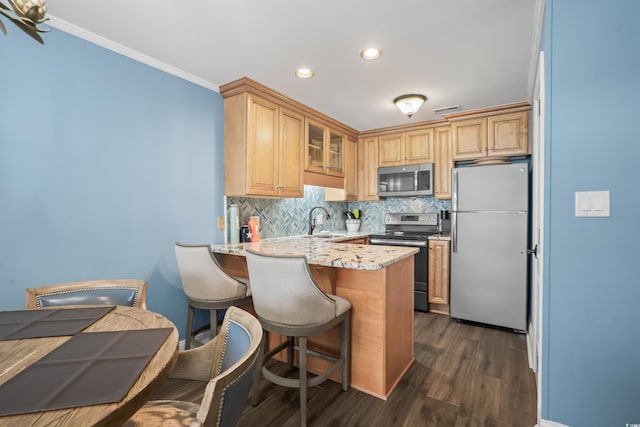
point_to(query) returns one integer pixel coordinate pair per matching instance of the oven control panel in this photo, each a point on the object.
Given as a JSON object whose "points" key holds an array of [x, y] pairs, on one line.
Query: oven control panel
{"points": [[424, 218]]}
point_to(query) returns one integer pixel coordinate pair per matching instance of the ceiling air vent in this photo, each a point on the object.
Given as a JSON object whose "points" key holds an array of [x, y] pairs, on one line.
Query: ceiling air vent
{"points": [[445, 109]]}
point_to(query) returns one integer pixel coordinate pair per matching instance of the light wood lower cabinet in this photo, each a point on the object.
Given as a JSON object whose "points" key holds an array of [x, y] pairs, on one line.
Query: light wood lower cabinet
{"points": [[438, 281]]}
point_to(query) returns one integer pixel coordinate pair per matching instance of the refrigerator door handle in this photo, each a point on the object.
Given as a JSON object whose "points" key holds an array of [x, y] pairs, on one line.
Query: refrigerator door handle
{"points": [[454, 190], [454, 231], [454, 209]]}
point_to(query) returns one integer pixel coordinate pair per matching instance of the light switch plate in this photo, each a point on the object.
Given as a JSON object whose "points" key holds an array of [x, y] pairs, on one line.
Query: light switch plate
{"points": [[593, 204], [220, 223]]}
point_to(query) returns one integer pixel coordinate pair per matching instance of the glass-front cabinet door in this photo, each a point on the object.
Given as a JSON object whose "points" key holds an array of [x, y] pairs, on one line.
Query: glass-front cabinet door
{"points": [[314, 161], [336, 147], [325, 150]]}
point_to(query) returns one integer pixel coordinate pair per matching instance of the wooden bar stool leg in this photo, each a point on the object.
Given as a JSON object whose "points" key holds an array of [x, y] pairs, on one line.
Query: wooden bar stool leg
{"points": [[302, 344], [187, 337]]}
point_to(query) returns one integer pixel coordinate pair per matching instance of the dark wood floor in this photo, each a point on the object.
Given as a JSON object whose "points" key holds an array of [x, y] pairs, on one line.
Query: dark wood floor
{"points": [[464, 375]]}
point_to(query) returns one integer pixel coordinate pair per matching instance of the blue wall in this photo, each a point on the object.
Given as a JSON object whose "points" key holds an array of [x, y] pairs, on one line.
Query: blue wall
{"points": [[104, 164], [591, 368]]}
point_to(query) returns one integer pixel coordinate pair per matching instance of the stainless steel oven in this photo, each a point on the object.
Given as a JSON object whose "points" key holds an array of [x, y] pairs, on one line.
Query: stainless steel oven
{"points": [[411, 229]]}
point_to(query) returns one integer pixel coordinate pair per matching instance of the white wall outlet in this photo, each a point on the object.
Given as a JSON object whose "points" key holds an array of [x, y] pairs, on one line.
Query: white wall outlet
{"points": [[593, 203], [319, 219]]}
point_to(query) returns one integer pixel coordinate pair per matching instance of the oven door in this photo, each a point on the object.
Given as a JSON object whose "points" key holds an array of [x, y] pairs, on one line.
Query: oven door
{"points": [[420, 268]]}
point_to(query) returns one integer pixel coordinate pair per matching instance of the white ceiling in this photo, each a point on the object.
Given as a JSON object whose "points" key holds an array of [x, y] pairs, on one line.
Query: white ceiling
{"points": [[472, 53]]}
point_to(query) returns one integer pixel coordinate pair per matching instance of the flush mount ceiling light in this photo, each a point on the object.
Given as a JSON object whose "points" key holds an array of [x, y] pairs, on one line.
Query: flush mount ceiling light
{"points": [[371, 53], [409, 104], [304, 73]]}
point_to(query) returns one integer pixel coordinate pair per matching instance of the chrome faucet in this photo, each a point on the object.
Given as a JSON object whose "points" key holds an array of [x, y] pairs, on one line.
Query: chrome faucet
{"points": [[312, 221]]}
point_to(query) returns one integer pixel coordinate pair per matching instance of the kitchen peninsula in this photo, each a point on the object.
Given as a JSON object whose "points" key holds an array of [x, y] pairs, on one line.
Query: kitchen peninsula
{"points": [[377, 280]]}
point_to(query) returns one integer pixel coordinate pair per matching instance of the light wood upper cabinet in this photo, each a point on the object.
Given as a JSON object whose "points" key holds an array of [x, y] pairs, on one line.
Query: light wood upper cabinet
{"points": [[406, 148], [368, 169], [324, 150], [350, 190], [418, 147], [438, 281], [469, 139], [263, 148], [443, 162], [496, 135], [508, 134]]}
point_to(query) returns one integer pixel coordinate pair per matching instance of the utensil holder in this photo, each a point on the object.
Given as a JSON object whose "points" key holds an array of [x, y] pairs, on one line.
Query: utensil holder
{"points": [[353, 224]]}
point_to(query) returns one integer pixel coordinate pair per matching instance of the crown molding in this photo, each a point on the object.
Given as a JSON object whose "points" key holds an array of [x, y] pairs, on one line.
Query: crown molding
{"points": [[125, 51]]}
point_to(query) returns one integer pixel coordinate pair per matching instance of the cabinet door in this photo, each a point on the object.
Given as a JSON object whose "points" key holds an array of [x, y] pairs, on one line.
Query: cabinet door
{"points": [[508, 134], [334, 162], [290, 183], [443, 163], [369, 173], [418, 147], [350, 190], [469, 139], [262, 147], [439, 271], [315, 148], [351, 170], [391, 150]]}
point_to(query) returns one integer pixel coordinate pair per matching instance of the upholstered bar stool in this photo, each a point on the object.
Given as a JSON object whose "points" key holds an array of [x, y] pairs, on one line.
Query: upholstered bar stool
{"points": [[207, 286], [288, 302]]}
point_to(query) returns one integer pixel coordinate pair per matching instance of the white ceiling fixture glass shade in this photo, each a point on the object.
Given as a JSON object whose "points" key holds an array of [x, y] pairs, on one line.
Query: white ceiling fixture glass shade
{"points": [[410, 104], [304, 73], [371, 53]]}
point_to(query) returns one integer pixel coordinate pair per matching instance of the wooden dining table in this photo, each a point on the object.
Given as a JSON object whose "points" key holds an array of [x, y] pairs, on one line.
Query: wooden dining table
{"points": [[19, 354]]}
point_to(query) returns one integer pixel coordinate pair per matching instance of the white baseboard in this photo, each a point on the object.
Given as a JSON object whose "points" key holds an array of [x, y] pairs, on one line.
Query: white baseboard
{"points": [[547, 423]]}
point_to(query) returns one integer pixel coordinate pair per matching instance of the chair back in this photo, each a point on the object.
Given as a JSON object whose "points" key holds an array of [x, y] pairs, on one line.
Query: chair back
{"points": [[132, 293], [203, 278], [234, 363], [284, 291]]}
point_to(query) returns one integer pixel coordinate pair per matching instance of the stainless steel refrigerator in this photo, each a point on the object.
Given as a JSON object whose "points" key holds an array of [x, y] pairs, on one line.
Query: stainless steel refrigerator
{"points": [[489, 244]]}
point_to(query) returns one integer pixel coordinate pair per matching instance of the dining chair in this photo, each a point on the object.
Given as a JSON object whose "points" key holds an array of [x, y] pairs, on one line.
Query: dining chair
{"points": [[128, 292], [226, 363], [207, 286], [288, 302]]}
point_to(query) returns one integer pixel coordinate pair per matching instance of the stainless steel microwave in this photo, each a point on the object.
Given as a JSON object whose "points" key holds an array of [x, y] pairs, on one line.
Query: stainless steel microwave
{"points": [[406, 181]]}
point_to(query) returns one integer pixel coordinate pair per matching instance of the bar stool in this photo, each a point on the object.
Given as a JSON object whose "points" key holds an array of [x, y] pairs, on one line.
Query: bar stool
{"points": [[287, 301], [207, 286]]}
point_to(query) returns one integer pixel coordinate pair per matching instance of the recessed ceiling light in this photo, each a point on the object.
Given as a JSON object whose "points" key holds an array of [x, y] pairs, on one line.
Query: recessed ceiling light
{"points": [[304, 73], [371, 53]]}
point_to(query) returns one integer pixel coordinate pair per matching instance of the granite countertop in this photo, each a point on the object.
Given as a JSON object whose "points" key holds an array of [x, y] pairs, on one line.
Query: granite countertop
{"points": [[327, 251], [439, 237]]}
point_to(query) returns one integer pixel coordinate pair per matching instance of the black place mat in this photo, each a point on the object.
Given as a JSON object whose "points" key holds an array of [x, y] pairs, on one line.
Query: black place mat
{"points": [[22, 324], [91, 368]]}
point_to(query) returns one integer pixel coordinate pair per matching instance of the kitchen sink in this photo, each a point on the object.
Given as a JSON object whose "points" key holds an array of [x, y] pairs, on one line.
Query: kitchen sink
{"points": [[323, 235]]}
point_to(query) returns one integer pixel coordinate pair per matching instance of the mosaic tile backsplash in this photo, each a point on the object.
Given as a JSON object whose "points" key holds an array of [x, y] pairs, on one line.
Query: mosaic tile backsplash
{"points": [[288, 217]]}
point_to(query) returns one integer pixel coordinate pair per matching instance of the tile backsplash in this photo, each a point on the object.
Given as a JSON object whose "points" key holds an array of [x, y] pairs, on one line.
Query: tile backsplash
{"points": [[286, 217]]}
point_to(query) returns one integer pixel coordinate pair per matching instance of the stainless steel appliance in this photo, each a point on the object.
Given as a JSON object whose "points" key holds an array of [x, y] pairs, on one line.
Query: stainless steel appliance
{"points": [[411, 229], [489, 244], [406, 181]]}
